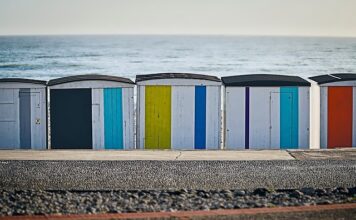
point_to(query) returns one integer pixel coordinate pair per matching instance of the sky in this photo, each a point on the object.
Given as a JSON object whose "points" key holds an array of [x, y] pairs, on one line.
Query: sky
{"points": [[186, 17]]}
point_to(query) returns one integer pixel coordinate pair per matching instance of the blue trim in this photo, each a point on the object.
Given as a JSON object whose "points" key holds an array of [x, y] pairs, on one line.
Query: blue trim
{"points": [[113, 126], [289, 117], [200, 117]]}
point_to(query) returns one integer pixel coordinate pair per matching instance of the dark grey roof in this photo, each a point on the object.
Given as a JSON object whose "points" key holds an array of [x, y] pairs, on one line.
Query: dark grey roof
{"points": [[88, 77], [337, 77], [23, 80], [140, 78], [264, 80]]}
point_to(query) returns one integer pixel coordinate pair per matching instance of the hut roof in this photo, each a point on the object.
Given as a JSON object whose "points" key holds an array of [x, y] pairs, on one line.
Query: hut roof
{"points": [[155, 76], [89, 77], [264, 80], [23, 80], [337, 77]]}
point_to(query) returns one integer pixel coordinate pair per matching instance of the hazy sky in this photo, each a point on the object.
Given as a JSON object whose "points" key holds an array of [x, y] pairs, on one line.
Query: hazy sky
{"points": [[226, 17]]}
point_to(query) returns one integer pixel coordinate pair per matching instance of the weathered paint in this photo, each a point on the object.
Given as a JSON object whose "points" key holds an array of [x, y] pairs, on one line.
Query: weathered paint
{"points": [[235, 117], [213, 117], [158, 117], [71, 118], [323, 117], [25, 118], [340, 112], [183, 115], [200, 117], [128, 117], [289, 118], [303, 117], [113, 122]]}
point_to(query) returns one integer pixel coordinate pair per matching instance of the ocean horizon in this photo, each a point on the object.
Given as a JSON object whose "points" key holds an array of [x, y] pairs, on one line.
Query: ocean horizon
{"points": [[50, 56]]}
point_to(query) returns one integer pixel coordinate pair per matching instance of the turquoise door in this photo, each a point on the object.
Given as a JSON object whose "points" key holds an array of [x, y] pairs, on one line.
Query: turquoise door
{"points": [[113, 121], [289, 117]]}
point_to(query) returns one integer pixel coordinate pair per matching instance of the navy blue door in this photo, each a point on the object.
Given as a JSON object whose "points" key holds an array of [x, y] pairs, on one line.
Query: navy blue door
{"points": [[71, 119]]}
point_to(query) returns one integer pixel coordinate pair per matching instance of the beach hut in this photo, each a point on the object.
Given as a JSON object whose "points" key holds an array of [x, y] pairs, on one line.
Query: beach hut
{"points": [[264, 111], [23, 110], [178, 111], [337, 110], [91, 112]]}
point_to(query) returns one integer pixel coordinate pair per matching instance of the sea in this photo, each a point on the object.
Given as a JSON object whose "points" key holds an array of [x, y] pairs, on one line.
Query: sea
{"points": [[48, 57]]}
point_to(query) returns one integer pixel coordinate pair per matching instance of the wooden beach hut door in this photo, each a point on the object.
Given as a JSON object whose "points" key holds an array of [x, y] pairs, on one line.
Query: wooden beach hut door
{"points": [[158, 117], [340, 101], [71, 118]]}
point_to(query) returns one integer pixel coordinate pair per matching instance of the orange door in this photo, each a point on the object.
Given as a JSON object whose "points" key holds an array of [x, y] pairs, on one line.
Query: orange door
{"points": [[339, 116]]}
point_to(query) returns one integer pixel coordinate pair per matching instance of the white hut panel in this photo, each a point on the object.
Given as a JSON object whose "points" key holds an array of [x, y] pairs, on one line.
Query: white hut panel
{"points": [[101, 112], [187, 114], [183, 114], [23, 123]]}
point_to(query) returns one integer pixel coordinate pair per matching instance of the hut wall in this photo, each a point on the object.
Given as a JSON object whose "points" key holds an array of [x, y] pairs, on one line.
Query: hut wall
{"points": [[189, 116], [23, 123], [267, 117]]}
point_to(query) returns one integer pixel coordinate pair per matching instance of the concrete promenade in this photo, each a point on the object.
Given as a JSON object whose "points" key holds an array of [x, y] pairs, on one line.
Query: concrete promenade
{"points": [[168, 155]]}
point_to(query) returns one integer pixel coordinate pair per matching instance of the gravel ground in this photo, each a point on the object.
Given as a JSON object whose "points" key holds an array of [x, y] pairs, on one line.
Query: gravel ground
{"points": [[157, 175], [33, 202]]}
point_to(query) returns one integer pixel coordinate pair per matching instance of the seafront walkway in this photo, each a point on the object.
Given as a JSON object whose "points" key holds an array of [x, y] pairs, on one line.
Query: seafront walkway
{"points": [[176, 155]]}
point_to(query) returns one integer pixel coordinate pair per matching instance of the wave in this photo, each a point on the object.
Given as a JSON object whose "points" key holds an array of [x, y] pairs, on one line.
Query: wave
{"points": [[19, 66]]}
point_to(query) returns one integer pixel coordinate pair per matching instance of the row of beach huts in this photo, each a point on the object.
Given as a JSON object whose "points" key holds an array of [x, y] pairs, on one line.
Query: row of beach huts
{"points": [[175, 111]]}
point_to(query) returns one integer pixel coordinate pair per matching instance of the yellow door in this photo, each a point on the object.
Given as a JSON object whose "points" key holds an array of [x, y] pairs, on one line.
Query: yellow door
{"points": [[158, 117]]}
